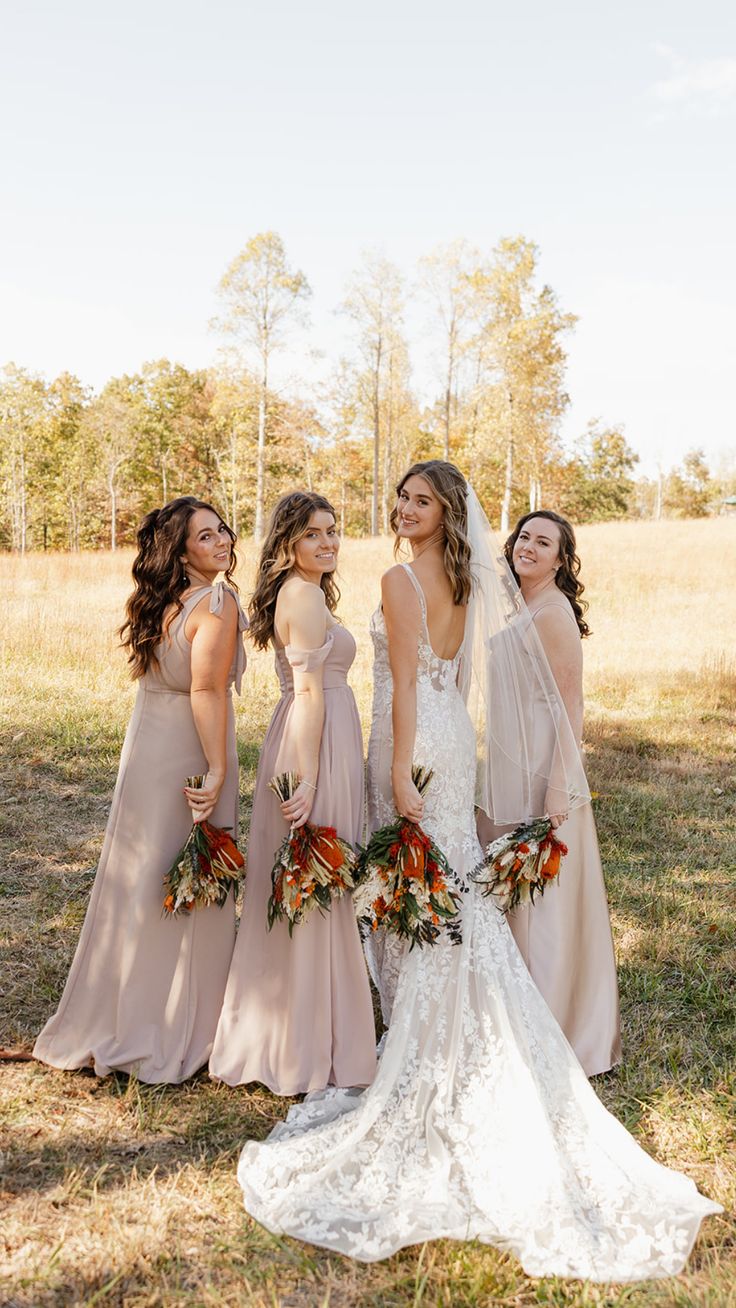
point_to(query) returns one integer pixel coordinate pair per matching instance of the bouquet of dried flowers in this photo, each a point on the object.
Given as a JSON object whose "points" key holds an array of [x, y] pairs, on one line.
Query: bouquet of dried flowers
{"points": [[521, 864], [313, 865], [205, 871], [402, 881]]}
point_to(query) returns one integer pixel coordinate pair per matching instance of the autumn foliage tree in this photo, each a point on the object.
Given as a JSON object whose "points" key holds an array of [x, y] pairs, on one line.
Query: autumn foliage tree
{"points": [[522, 385], [262, 296], [79, 469]]}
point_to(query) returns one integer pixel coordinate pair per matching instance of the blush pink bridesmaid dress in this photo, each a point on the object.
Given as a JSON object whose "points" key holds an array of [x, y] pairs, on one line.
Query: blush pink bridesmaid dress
{"points": [[144, 992], [297, 1014]]}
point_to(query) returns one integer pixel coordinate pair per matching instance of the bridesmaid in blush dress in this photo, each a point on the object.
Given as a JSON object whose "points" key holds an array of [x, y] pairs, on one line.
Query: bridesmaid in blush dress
{"points": [[144, 992], [565, 936], [297, 1014]]}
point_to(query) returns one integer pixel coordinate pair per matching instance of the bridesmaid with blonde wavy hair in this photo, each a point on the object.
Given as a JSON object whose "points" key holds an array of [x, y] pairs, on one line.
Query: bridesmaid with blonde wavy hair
{"points": [[297, 1014]]}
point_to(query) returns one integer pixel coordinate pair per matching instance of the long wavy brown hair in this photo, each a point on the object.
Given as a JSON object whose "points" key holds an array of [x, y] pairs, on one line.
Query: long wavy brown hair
{"points": [[567, 575], [451, 490], [288, 523], [160, 577]]}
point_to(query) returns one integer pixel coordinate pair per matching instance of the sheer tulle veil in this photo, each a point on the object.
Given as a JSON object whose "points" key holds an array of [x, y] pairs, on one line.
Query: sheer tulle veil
{"points": [[528, 758], [431, 1149]]}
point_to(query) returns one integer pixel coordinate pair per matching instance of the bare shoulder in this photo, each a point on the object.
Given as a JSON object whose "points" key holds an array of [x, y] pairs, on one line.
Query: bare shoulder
{"points": [[301, 614], [557, 612], [400, 604], [300, 596], [395, 583], [214, 629], [557, 627]]}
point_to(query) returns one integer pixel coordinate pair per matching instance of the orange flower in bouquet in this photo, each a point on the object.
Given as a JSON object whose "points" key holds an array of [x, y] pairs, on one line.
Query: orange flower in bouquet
{"points": [[204, 872], [518, 866], [313, 865], [403, 881]]}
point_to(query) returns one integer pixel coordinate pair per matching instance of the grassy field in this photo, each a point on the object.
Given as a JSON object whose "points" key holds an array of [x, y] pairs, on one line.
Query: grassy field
{"points": [[114, 1193]]}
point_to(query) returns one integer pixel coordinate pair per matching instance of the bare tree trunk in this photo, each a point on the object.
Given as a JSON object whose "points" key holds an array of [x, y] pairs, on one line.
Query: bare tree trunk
{"points": [[509, 479], [113, 471], [113, 513], [308, 464], [388, 450], [14, 507], [226, 495], [658, 505], [234, 480], [448, 391], [386, 483], [261, 456], [23, 504], [343, 496], [376, 435]]}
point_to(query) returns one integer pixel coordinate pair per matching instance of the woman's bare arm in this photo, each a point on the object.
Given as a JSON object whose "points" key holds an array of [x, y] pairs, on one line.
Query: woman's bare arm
{"points": [[402, 616], [562, 646], [302, 619], [213, 646]]}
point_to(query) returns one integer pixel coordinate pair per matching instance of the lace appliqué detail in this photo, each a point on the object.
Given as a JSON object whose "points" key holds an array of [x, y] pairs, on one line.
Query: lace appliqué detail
{"points": [[480, 1122]]}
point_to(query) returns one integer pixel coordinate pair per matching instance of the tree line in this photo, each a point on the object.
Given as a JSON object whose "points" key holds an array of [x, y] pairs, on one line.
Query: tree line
{"points": [[78, 469]]}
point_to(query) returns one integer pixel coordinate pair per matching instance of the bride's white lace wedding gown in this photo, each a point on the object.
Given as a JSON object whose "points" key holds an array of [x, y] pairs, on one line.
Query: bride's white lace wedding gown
{"points": [[480, 1123]]}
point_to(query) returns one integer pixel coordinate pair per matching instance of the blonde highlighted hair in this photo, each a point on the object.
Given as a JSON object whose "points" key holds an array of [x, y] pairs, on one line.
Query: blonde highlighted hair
{"points": [[450, 487], [288, 523]]}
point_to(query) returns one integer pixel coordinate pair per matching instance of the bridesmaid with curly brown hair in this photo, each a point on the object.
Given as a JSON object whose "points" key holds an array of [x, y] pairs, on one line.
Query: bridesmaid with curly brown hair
{"points": [[144, 992], [297, 1014], [565, 936]]}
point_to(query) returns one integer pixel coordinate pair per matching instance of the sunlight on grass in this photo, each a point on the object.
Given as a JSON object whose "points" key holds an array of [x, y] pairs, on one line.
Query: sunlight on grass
{"points": [[120, 1194]]}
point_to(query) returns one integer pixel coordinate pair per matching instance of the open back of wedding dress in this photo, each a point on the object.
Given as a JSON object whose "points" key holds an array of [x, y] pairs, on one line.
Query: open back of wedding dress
{"points": [[480, 1123]]}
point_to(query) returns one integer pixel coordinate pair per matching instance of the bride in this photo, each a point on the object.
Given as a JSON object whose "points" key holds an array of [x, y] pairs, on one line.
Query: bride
{"points": [[480, 1123]]}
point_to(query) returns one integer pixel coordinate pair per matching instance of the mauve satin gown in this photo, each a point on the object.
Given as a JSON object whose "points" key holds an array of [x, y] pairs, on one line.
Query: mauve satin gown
{"points": [[144, 992], [297, 1014]]}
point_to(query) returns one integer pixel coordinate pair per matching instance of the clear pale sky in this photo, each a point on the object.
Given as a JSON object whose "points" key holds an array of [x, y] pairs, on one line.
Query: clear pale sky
{"points": [[143, 144]]}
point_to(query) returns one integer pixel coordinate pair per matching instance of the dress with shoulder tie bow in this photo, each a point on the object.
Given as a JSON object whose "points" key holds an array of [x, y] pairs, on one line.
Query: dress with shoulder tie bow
{"points": [[144, 992]]}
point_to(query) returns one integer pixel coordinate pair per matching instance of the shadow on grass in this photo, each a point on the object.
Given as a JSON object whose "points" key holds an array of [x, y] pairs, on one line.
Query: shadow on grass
{"points": [[129, 1131]]}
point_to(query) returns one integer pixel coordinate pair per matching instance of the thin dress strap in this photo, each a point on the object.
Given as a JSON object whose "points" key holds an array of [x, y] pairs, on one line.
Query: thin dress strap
{"points": [[420, 593], [423, 606]]}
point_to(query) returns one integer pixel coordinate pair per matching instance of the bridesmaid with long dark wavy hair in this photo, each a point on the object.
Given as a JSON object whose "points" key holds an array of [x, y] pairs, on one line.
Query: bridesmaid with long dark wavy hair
{"points": [[565, 937], [144, 992]]}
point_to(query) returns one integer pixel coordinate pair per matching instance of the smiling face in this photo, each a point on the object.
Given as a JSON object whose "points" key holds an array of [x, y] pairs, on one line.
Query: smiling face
{"points": [[316, 551], [536, 555], [208, 547], [419, 512]]}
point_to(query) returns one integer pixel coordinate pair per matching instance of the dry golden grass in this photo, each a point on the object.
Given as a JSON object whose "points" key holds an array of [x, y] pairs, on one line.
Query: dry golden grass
{"points": [[120, 1194]]}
